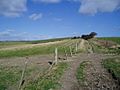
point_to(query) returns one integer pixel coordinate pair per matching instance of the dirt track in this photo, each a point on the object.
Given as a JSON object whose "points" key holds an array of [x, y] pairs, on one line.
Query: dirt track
{"points": [[97, 78], [68, 80]]}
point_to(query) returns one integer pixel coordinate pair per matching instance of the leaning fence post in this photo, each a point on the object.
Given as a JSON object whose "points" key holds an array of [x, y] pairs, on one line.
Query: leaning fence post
{"points": [[22, 76], [71, 51], [56, 55]]}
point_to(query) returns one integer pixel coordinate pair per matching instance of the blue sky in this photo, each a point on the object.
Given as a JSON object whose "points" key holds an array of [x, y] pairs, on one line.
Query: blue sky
{"points": [[43, 19]]}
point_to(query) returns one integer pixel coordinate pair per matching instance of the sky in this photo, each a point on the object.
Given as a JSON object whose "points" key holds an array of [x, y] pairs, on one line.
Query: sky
{"points": [[44, 19]]}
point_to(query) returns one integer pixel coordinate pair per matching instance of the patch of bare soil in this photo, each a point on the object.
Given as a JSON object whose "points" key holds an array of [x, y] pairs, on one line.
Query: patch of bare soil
{"points": [[19, 61], [97, 78]]}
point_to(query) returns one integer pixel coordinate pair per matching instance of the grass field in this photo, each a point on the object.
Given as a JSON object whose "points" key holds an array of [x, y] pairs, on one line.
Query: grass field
{"points": [[27, 51], [9, 44], [114, 39], [39, 50], [4, 44], [48, 40]]}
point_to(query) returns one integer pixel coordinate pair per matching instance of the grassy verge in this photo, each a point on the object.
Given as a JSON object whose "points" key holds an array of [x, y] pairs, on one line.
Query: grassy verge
{"points": [[49, 81], [10, 76], [113, 66], [81, 72]]}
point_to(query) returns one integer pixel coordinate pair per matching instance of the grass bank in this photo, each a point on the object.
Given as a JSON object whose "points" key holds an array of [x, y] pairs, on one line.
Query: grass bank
{"points": [[113, 66]]}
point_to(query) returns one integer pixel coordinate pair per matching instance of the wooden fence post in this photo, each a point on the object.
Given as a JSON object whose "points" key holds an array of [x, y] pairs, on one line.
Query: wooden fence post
{"points": [[56, 55], [66, 54], [22, 76], [71, 51], [76, 48]]}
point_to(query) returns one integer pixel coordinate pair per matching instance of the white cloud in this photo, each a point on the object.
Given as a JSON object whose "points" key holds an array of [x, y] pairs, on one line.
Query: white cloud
{"points": [[36, 16], [12, 8], [94, 6], [8, 32], [12, 35], [48, 1]]}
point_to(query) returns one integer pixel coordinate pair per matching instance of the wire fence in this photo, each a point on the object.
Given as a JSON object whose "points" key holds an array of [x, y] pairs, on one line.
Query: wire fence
{"points": [[61, 53]]}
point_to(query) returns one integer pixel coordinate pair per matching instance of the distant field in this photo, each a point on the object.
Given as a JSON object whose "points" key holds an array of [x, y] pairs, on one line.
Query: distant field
{"points": [[4, 44], [48, 40], [114, 39]]}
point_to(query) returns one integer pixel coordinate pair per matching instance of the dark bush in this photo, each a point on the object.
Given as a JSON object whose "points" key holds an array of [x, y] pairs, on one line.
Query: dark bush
{"points": [[91, 35], [76, 37]]}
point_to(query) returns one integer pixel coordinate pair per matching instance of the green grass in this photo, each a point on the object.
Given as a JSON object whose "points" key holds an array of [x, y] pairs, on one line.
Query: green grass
{"points": [[30, 51], [41, 50], [9, 44], [8, 77], [4, 44], [101, 49], [114, 39], [49, 81], [81, 72], [27, 51], [112, 64]]}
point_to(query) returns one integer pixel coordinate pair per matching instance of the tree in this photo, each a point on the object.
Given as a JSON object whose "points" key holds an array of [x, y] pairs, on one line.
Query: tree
{"points": [[93, 34], [89, 36]]}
